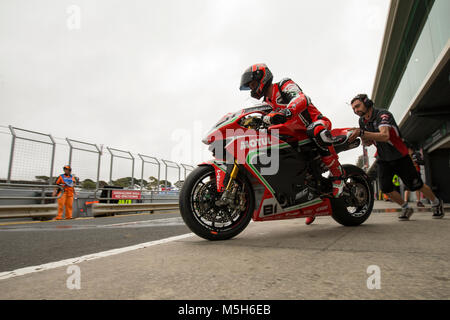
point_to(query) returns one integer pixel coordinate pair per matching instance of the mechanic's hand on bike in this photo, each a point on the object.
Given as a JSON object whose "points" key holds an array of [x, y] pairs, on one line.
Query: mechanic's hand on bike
{"points": [[355, 134]]}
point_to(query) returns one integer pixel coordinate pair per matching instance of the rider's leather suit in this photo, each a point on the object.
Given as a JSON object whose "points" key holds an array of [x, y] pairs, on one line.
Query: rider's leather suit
{"points": [[290, 99]]}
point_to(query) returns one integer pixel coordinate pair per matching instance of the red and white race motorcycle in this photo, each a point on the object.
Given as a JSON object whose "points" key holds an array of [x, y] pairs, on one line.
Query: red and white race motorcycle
{"points": [[261, 172]]}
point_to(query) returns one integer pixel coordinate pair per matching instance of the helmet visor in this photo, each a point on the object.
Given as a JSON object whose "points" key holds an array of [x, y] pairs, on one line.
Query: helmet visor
{"points": [[246, 78]]}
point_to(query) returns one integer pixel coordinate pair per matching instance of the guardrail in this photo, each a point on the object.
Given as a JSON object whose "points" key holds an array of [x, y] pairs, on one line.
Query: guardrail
{"points": [[46, 208], [102, 209], [42, 211], [42, 187]]}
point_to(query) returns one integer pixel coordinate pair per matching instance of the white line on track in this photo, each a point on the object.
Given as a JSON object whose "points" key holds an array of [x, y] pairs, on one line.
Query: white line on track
{"points": [[63, 263], [147, 222]]}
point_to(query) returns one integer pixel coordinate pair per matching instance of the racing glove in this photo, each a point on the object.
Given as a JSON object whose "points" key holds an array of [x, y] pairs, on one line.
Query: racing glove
{"points": [[279, 117]]}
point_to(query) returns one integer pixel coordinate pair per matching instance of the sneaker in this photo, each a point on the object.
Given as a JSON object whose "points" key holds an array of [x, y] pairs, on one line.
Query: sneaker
{"points": [[309, 220], [420, 204], [438, 211], [405, 214]]}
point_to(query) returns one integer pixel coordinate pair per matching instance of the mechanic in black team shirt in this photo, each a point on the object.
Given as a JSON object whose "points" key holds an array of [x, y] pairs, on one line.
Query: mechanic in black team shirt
{"points": [[378, 127]]}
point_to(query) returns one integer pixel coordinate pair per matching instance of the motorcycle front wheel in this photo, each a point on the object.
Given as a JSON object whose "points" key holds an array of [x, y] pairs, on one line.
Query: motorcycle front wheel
{"points": [[203, 215]]}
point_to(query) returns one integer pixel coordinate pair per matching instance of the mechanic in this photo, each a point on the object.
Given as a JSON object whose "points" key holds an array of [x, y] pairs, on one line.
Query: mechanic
{"points": [[290, 103], [67, 181], [378, 127]]}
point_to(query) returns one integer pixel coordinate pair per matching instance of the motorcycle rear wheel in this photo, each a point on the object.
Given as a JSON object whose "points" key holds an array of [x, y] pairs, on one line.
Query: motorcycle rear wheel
{"points": [[355, 209]]}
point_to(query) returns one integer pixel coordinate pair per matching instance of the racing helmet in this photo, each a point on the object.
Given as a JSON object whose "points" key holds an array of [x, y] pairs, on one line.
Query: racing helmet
{"points": [[261, 73]]}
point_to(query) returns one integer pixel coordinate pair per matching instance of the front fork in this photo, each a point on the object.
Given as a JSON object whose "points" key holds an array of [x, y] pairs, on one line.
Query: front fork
{"points": [[229, 195]]}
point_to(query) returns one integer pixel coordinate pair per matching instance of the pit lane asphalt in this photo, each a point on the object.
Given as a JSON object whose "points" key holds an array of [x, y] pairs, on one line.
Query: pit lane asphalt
{"points": [[272, 260], [28, 243]]}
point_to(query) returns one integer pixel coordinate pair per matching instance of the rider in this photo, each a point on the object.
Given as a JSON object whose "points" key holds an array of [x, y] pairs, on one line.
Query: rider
{"points": [[289, 102]]}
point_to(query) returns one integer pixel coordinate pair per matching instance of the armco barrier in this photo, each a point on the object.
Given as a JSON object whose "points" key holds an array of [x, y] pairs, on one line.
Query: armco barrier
{"points": [[101, 209], [43, 210], [41, 187], [29, 211]]}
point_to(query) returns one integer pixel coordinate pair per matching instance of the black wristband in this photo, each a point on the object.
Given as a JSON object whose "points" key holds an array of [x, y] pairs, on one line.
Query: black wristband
{"points": [[361, 133]]}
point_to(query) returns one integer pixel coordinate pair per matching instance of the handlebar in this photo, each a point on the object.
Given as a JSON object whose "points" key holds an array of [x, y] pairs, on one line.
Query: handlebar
{"points": [[256, 123]]}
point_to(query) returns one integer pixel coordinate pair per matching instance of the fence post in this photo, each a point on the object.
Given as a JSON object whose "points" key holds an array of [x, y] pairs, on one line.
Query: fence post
{"points": [[185, 167], [52, 165], [154, 161], [11, 156], [130, 157], [142, 172], [70, 151], [167, 164], [100, 152], [111, 165], [132, 169], [159, 175], [83, 146]]}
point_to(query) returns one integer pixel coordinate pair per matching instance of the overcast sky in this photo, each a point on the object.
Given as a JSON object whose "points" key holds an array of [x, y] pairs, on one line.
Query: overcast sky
{"points": [[152, 76]]}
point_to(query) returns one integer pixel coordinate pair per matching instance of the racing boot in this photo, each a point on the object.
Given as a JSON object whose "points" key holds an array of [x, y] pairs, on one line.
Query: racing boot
{"points": [[337, 172]]}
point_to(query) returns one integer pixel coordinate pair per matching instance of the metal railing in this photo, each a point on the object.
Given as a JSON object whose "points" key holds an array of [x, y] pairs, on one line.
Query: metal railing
{"points": [[29, 211], [43, 197], [41, 210]]}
